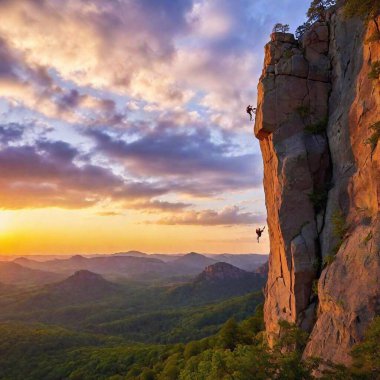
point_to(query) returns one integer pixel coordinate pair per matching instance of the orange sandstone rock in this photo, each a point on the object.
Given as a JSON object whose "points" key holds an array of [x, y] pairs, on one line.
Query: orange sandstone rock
{"points": [[316, 106]]}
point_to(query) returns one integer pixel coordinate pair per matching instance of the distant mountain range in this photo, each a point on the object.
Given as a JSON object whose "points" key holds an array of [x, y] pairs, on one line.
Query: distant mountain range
{"points": [[12, 273], [218, 281], [247, 262], [192, 263], [84, 283], [86, 298], [81, 288], [106, 265], [78, 290], [134, 265], [223, 272]]}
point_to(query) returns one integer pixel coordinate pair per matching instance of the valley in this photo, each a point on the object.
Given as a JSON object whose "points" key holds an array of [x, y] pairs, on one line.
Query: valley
{"points": [[156, 310], [69, 320]]}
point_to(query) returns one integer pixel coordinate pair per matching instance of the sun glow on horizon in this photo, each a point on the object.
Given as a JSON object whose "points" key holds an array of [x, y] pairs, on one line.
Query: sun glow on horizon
{"points": [[4, 224], [126, 129]]}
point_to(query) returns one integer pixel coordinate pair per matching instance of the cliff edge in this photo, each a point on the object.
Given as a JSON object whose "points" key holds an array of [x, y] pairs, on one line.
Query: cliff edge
{"points": [[318, 121]]}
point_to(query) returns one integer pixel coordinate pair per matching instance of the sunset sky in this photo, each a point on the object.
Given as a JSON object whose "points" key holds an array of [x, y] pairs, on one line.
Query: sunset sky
{"points": [[123, 124]]}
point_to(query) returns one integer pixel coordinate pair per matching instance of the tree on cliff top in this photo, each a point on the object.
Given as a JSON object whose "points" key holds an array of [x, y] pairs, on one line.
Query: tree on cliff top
{"points": [[369, 9], [317, 10], [280, 28], [302, 29]]}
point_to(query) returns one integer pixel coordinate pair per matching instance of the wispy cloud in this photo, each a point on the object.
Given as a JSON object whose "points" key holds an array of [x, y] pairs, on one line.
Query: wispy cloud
{"points": [[160, 206], [226, 217], [141, 102], [109, 213]]}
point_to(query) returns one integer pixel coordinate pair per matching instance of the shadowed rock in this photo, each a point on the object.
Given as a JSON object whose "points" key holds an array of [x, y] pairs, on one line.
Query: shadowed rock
{"points": [[316, 105]]}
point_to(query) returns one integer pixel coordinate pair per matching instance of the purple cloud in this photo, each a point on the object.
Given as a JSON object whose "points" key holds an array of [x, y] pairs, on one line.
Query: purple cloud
{"points": [[189, 159], [7, 61], [46, 175], [10, 132]]}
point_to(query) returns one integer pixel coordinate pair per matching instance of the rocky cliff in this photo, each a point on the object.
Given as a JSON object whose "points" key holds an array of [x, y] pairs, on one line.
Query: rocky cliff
{"points": [[318, 105]]}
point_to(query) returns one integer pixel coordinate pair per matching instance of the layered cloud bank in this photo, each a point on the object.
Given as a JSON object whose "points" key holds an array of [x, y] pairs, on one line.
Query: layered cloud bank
{"points": [[134, 109]]}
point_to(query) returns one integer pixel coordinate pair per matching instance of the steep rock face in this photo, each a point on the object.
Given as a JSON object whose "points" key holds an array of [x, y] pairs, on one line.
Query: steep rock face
{"points": [[293, 96], [349, 288], [324, 77]]}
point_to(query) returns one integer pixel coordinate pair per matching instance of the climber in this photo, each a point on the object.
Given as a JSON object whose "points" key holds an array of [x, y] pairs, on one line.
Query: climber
{"points": [[250, 110], [259, 232]]}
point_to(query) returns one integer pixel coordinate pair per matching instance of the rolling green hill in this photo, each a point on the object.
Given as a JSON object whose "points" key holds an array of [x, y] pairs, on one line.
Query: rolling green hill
{"points": [[139, 312]]}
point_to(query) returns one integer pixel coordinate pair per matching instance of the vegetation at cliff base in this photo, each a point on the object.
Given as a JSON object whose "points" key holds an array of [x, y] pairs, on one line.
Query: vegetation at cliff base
{"points": [[366, 355], [237, 352]]}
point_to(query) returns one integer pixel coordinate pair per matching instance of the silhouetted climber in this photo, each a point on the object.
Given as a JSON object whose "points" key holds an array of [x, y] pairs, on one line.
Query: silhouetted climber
{"points": [[259, 232], [250, 110]]}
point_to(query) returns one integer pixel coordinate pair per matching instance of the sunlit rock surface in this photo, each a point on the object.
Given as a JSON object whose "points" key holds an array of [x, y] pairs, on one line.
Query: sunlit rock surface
{"points": [[316, 104], [349, 288]]}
